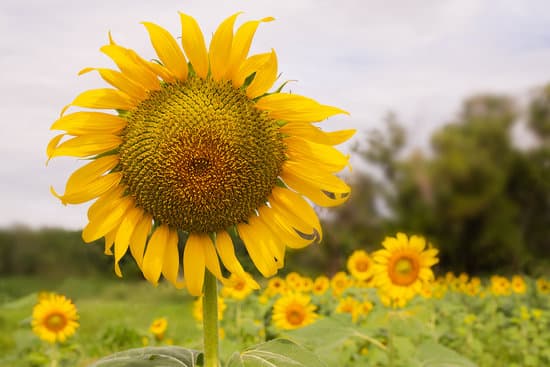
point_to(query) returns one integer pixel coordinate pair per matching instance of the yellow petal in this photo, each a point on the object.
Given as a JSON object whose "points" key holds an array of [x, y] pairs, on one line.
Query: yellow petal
{"points": [[192, 41], [211, 260], [124, 233], [314, 176], [292, 107], [194, 262], [161, 71], [323, 157], [171, 262], [91, 172], [265, 77], [291, 208], [241, 45], [313, 133], [104, 98], [154, 254], [255, 237], [110, 241], [315, 187], [93, 123], [90, 190], [139, 238], [106, 200], [132, 66], [284, 231], [249, 67], [52, 145], [87, 145], [167, 49], [106, 220], [272, 244], [121, 82], [226, 250], [220, 47]]}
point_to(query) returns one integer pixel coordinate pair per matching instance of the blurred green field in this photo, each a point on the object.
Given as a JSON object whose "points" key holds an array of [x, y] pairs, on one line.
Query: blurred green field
{"points": [[115, 314]]}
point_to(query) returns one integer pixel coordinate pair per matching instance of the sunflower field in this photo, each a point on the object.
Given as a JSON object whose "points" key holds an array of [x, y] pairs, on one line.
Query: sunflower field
{"points": [[359, 316]]}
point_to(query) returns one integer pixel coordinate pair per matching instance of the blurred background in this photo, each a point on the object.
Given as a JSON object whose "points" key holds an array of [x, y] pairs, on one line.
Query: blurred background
{"points": [[449, 99]]}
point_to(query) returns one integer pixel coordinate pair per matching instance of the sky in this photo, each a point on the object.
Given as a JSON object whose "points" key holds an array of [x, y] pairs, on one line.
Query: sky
{"points": [[419, 59]]}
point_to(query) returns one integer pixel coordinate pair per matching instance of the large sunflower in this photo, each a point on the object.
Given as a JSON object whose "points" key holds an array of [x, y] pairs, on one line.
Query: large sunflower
{"points": [[403, 266], [198, 149], [54, 318]]}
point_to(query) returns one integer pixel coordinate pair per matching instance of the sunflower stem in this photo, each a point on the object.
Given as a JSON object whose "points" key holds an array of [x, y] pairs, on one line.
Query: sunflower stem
{"points": [[210, 320]]}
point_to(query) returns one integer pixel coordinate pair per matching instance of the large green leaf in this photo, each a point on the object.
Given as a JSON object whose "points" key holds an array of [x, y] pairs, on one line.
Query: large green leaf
{"points": [[151, 357], [276, 353], [431, 354]]}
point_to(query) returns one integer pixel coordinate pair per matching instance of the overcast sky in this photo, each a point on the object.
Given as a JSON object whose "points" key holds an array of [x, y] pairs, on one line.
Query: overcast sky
{"points": [[417, 58]]}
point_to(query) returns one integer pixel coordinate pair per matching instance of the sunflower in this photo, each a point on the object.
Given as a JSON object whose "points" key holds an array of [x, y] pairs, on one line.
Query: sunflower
{"points": [[239, 286], [360, 265], [340, 282], [320, 285], [518, 284], [276, 285], [350, 306], [543, 286], [54, 318], [158, 327], [199, 149], [403, 266], [293, 311]]}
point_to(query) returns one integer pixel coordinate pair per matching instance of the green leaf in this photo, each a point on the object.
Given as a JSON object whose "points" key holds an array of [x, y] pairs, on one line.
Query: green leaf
{"points": [[151, 357], [431, 354], [324, 333], [275, 353]]}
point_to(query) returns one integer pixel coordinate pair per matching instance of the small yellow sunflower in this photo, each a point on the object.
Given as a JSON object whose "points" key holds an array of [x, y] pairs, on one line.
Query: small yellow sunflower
{"points": [[500, 286], [239, 286], [293, 311], [54, 318], [518, 284], [199, 148], [158, 327], [350, 306], [320, 285], [403, 266], [276, 285], [360, 265], [543, 286], [340, 282]]}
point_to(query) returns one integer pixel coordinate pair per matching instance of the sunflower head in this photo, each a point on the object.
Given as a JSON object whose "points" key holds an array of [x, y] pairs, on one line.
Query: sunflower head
{"points": [[158, 327], [518, 284], [360, 265], [320, 285], [293, 311], [54, 318], [403, 266], [239, 286], [196, 148]]}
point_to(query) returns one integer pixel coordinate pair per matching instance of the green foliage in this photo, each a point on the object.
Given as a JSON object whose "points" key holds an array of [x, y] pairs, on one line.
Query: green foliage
{"points": [[151, 357], [483, 202], [276, 353], [539, 113]]}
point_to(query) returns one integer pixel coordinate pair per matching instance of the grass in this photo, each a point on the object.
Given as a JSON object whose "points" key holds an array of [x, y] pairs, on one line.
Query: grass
{"points": [[115, 315]]}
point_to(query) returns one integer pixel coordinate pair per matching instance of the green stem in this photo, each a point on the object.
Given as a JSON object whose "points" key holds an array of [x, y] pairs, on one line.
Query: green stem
{"points": [[210, 321]]}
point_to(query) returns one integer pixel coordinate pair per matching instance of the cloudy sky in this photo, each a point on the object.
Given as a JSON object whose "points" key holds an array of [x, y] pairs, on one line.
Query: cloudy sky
{"points": [[417, 58]]}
